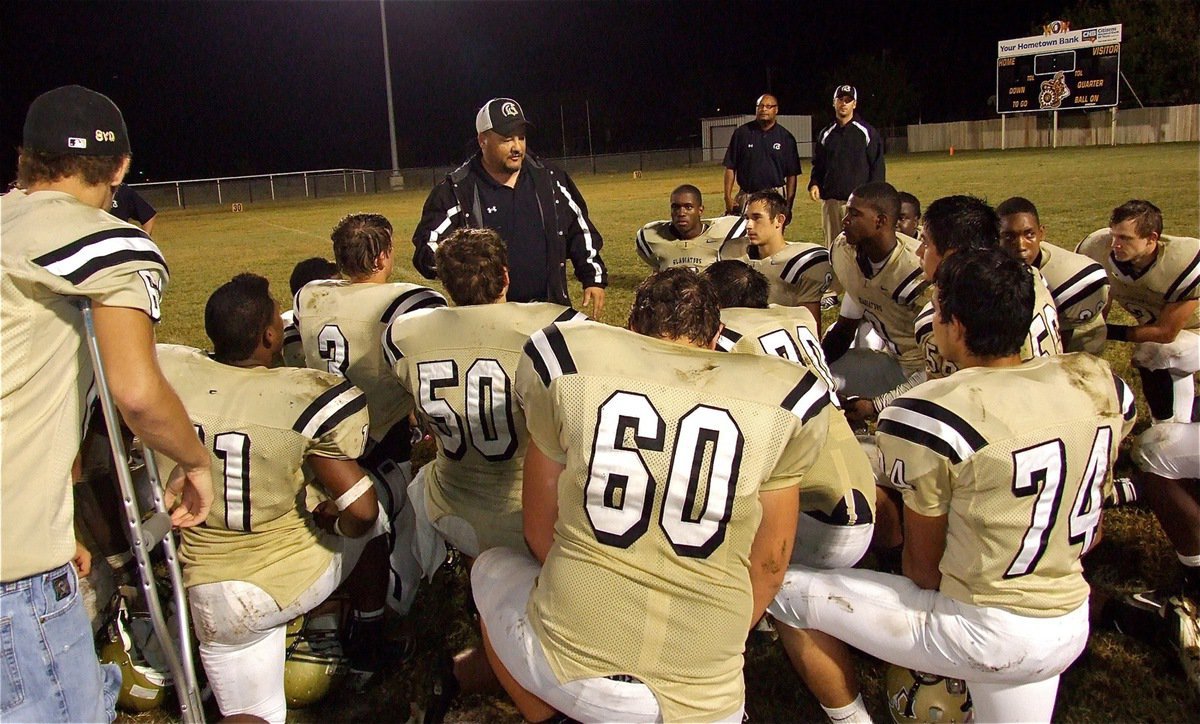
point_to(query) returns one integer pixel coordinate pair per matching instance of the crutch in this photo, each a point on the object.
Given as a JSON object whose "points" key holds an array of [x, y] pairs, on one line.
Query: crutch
{"points": [[144, 535]]}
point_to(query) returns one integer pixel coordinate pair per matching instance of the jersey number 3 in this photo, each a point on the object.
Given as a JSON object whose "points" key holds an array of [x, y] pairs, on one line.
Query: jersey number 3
{"points": [[620, 489]]}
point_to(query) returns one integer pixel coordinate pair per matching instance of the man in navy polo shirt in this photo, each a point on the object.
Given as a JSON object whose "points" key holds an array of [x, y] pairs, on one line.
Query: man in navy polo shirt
{"points": [[762, 156]]}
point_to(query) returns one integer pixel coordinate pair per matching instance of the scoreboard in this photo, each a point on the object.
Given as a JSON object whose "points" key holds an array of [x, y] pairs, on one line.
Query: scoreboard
{"points": [[1074, 69]]}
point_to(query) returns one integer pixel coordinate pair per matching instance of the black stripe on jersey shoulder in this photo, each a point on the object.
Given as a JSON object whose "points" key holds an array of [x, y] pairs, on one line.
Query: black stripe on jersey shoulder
{"points": [[802, 262], [727, 339], [642, 244], [559, 362], [1185, 282], [391, 351], [911, 288], [571, 315], [738, 230], [930, 415], [291, 334], [1091, 277], [924, 321], [807, 398], [66, 252], [1125, 398], [412, 300], [323, 400], [99, 264]]}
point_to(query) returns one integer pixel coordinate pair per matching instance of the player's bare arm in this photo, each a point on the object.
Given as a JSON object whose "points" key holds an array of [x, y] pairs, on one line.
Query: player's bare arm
{"points": [[924, 544], [837, 340], [772, 547], [1173, 318], [352, 502], [152, 409], [790, 185], [539, 500]]}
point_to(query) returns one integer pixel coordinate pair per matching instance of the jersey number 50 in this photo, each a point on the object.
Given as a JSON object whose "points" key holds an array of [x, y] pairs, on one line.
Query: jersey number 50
{"points": [[620, 489], [486, 400]]}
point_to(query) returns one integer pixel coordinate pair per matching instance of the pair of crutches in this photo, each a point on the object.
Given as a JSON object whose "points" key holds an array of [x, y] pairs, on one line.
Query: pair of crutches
{"points": [[144, 535]]}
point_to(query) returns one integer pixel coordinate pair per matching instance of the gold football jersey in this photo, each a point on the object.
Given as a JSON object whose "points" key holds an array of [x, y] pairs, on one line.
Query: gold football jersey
{"points": [[459, 364], [1174, 276], [1080, 290], [1019, 459], [293, 346], [799, 273], [661, 248], [1043, 339], [260, 425], [342, 325], [666, 449], [54, 248], [892, 297], [828, 491]]}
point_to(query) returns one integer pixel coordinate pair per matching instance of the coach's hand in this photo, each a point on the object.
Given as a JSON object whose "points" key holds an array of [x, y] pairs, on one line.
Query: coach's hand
{"points": [[815, 192], [190, 492], [594, 297]]}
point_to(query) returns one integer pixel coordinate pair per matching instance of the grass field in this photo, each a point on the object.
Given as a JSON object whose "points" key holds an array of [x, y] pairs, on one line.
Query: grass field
{"points": [[1117, 679]]}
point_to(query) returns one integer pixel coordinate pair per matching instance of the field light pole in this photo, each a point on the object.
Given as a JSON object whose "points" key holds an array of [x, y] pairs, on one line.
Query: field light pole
{"points": [[397, 181]]}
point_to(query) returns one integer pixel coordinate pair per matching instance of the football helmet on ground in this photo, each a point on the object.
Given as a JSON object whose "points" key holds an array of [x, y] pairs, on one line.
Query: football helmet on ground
{"points": [[314, 661], [914, 696]]}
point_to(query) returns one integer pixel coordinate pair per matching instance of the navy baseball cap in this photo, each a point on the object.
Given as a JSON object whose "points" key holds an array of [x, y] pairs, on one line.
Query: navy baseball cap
{"points": [[845, 90], [74, 121], [502, 115]]}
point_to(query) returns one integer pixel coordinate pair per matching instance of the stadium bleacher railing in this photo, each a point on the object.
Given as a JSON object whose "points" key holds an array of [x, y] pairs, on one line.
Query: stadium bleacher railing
{"points": [[297, 185]]}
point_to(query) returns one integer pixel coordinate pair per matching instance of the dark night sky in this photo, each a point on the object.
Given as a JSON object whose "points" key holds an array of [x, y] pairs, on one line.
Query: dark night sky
{"points": [[218, 87]]}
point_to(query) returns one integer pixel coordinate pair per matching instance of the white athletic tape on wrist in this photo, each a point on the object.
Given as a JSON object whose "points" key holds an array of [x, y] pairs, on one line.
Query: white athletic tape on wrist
{"points": [[346, 499]]}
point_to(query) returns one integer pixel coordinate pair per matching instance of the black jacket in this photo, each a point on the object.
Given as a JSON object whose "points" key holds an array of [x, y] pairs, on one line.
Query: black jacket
{"points": [[846, 157], [454, 203]]}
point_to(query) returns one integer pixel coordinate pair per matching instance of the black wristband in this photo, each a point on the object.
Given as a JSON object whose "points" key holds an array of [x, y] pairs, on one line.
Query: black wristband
{"points": [[1118, 332]]}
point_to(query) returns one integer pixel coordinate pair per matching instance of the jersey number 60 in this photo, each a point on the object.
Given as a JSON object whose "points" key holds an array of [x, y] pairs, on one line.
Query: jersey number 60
{"points": [[620, 488]]}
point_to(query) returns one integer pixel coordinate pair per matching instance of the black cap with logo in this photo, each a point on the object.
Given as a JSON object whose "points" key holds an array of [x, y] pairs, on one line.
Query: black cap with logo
{"points": [[75, 121], [502, 115]]}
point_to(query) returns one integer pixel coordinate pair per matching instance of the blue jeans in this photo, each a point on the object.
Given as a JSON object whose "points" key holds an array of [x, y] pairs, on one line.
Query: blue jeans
{"points": [[48, 666]]}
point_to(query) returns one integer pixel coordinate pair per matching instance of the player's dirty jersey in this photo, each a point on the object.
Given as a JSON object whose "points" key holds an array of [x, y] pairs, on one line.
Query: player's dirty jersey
{"points": [[55, 247], [1173, 276], [1019, 459], [666, 448], [799, 273], [892, 297], [293, 346], [459, 364], [1042, 340], [840, 487], [342, 326], [660, 247], [259, 425], [1080, 290]]}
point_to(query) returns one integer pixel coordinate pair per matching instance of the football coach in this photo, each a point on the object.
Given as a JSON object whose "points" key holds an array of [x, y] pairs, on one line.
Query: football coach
{"points": [[534, 206]]}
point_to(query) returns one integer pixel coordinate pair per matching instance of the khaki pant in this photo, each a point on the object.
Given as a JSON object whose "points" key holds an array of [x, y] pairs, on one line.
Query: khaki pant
{"points": [[832, 212]]}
